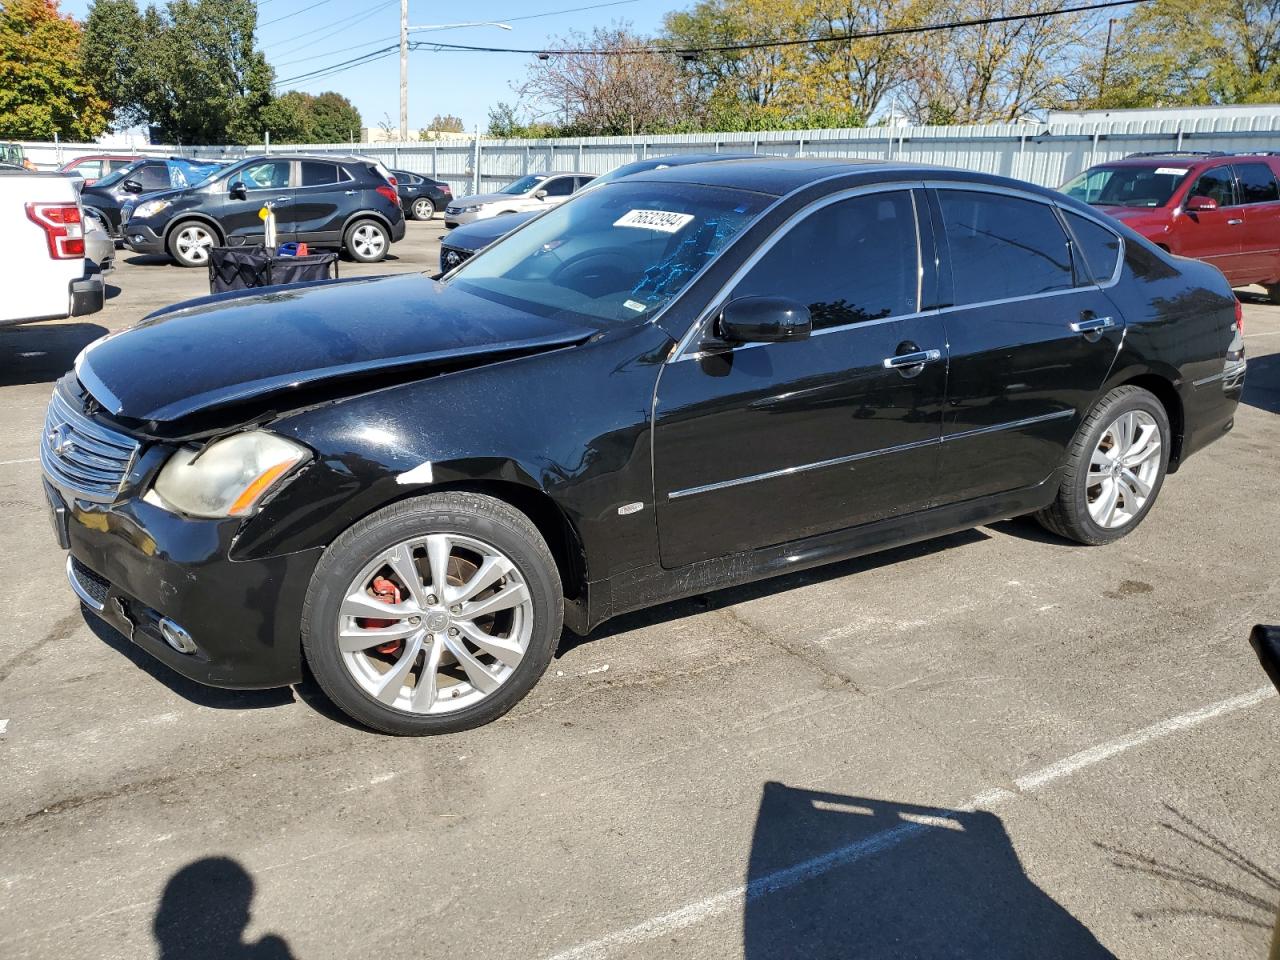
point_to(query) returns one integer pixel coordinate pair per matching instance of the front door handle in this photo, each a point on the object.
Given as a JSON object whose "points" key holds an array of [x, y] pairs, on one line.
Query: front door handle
{"points": [[1234, 221], [1093, 325], [916, 359], [282, 199], [350, 193]]}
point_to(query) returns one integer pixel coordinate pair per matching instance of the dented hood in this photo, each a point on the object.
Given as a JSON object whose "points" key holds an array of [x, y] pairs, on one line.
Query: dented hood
{"points": [[216, 351]]}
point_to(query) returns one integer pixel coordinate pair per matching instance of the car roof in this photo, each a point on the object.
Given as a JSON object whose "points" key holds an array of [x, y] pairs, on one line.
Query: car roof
{"points": [[1183, 159]]}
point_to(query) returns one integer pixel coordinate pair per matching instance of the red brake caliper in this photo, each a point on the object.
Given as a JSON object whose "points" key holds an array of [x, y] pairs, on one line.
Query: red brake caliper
{"points": [[387, 592]]}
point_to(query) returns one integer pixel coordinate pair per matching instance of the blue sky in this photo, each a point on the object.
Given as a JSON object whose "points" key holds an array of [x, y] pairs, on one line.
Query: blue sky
{"points": [[464, 84]]}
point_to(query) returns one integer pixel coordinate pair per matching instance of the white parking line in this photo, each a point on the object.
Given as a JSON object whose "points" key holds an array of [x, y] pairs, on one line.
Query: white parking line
{"points": [[1267, 333], [734, 897], [5, 463]]}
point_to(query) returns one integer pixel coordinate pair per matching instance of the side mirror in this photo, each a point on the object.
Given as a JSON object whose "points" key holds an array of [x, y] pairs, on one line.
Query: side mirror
{"points": [[1202, 203], [1266, 643], [132, 186], [239, 191], [540, 195], [764, 320]]}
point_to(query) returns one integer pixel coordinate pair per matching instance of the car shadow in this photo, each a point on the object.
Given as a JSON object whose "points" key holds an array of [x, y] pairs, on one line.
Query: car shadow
{"points": [[197, 693], [719, 599], [149, 260], [42, 352], [204, 911], [1262, 383], [844, 877]]}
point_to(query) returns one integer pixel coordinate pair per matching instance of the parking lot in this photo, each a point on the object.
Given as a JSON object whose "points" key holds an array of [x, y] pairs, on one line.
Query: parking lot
{"points": [[993, 744]]}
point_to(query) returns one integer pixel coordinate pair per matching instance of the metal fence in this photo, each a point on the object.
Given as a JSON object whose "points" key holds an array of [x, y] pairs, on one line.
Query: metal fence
{"points": [[1043, 153]]}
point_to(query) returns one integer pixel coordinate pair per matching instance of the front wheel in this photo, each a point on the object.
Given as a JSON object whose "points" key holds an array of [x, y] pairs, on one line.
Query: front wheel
{"points": [[1115, 467], [1273, 292], [190, 243], [367, 241], [433, 615], [423, 209]]}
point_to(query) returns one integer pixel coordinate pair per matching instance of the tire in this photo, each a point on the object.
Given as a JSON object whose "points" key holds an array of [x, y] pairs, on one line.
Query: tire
{"points": [[372, 684], [366, 241], [1273, 292], [189, 243], [423, 209], [1080, 512]]}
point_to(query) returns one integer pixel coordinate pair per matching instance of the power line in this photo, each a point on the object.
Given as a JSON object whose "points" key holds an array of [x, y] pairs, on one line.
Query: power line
{"points": [[340, 24], [329, 53], [296, 13], [793, 42]]}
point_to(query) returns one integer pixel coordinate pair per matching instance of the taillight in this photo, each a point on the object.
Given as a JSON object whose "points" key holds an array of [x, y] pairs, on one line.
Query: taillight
{"points": [[388, 192], [63, 230], [1240, 316], [392, 181]]}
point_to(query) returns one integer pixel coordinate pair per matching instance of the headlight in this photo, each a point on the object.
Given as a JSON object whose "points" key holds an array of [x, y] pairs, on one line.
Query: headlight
{"points": [[149, 209], [471, 209], [228, 477]]}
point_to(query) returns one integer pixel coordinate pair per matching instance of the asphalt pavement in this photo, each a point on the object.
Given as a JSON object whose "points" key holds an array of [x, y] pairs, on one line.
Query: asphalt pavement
{"points": [[994, 744]]}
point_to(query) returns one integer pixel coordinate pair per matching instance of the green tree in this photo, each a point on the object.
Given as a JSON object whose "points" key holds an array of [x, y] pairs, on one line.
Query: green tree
{"points": [[288, 118], [44, 89], [191, 69], [446, 124], [334, 119]]}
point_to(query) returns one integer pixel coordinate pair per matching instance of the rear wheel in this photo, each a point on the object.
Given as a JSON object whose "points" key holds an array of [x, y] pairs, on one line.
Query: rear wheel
{"points": [[367, 241], [1114, 470], [1273, 292], [423, 209], [190, 242], [433, 615]]}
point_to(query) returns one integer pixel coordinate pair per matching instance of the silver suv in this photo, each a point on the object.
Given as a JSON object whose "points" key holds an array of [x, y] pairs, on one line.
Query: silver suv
{"points": [[534, 192]]}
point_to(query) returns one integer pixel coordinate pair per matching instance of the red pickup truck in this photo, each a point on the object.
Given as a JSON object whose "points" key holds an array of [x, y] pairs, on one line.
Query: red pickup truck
{"points": [[1217, 207]]}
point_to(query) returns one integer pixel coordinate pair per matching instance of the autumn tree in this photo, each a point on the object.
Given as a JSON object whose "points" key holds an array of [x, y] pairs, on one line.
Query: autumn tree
{"points": [[44, 89]]}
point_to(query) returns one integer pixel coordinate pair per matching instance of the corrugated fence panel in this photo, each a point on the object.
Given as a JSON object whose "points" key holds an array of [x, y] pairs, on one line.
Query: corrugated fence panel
{"points": [[1042, 153]]}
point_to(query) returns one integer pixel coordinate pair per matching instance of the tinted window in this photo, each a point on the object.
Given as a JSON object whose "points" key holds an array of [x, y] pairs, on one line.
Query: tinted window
{"points": [[270, 175], [1126, 186], [153, 176], [559, 187], [1216, 185], [317, 174], [1098, 247], [90, 169], [850, 261], [1003, 247], [583, 181], [1257, 183]]}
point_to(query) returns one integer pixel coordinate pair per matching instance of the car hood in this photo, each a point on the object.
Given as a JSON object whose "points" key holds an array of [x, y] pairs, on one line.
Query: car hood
{"points": [[481, 233], [486, 198], [223, 350]]}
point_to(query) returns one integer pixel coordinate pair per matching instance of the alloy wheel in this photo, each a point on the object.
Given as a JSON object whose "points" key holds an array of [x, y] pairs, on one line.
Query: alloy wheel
{"points": [[193, 243], [368, 241], [423, 209], [435, 624], [1123, 469]]}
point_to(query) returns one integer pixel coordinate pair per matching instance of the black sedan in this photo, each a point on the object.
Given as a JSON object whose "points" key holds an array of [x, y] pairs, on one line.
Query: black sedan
{"points": [[673, 383], [421, 196]]}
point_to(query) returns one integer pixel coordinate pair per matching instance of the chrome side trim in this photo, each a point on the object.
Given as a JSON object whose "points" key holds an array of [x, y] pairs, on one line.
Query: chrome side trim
{"points": [[1203, 380], [80, 591], [867, 454]]}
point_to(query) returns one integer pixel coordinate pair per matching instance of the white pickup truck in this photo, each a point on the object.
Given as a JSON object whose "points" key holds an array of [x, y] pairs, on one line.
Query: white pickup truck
{"points": [[43, 271]]}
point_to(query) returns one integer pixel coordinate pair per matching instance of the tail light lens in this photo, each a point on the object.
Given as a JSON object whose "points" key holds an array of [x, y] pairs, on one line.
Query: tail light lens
{"points": [[1240, 316], [388, 192], [393, 181], [63, 230]]}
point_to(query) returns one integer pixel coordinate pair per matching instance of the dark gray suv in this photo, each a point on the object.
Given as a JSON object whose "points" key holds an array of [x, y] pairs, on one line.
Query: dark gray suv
{"points": [[338, 202]]}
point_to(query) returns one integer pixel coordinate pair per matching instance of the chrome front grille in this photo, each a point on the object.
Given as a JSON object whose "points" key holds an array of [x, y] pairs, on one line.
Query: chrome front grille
{"points": [[450, 257], [83, 457]]}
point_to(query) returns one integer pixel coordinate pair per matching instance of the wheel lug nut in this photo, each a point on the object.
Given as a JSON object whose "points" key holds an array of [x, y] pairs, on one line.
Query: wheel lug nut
{"points": [[456, 608], [415, 620], [453, 631], [431, 598]]}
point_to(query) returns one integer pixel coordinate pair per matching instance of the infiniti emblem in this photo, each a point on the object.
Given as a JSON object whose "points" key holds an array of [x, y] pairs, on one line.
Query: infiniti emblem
{"points": [[60, 439]]}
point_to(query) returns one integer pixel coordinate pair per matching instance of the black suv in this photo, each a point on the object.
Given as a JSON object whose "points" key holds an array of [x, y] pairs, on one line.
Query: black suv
{"points": [[421, 196], [340, 202]]}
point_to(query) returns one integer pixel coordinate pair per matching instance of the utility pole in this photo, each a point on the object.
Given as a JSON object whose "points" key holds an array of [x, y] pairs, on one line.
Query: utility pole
{"points": [[404, 69], [1106, 55]]}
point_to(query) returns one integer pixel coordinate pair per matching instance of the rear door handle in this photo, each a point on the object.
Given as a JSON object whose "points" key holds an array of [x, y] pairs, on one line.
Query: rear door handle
{"points": [[916, 359], [1093, 325], [351, 193], [1234, 221], [282, 199]]}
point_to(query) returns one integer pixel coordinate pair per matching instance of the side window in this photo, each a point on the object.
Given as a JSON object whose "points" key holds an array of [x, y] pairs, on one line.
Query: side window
{"points": [[270, 175], [559, 187], [1216, 184], [1003, 247], [317, 174], [90, 169], [1257, 183], [583, 181], [153, 176], [850, 261], [1098, 246]]}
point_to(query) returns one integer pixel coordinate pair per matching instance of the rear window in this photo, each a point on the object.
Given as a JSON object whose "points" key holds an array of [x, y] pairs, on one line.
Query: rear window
{"points": [[1257, 183], [1127, 186], [1098, 248], [1003, 247]]}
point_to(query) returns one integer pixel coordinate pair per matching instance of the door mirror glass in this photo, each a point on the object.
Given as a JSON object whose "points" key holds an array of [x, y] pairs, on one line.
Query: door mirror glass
{"points": [[132, 186], [238, 190], [1202, 203], [764, 320], [540, 195]]}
